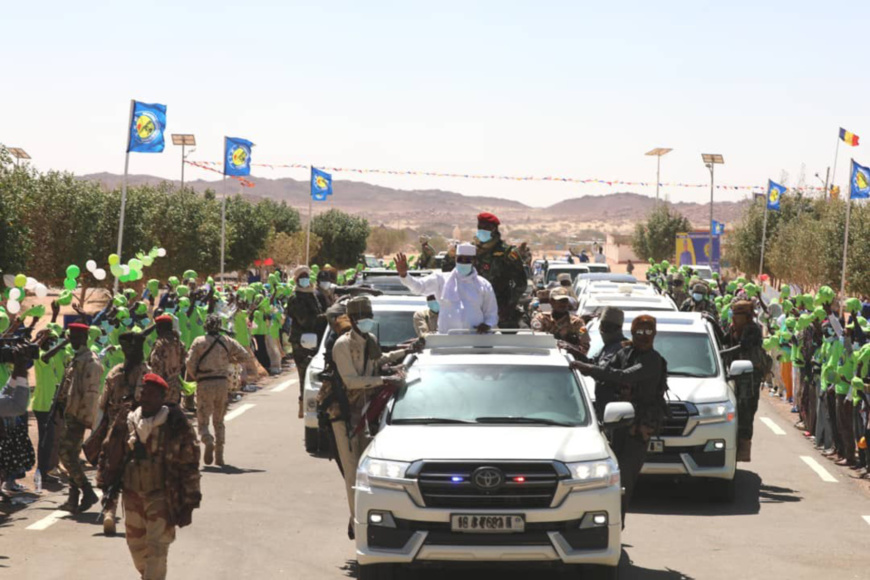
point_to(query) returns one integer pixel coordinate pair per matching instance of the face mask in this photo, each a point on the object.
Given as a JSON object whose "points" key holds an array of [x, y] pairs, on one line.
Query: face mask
{"points": [[304, 282], [434, 306], [697, 297], [484, 236], [366, 324], [464, 269], [326, 285]]}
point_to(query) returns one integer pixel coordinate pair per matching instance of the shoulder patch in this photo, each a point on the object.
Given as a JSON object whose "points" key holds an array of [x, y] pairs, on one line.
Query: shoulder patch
{"points": [[514, 255]]}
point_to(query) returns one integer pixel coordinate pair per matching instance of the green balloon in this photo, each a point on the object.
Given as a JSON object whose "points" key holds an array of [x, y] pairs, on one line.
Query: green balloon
{"points": [[73, 271], [141, 308], [65, 298], [153, 286], [119, 300], [182, 291], [116, 270], [173, 281], [70, 284], [147, 261], [20, 281], [114, 260], [189, 275], [123, 313], [4, 321], [35, 311], [135, 264]]}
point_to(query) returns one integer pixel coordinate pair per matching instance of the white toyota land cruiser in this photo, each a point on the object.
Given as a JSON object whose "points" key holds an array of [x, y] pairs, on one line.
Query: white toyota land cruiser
{"points": [[491, 453]]}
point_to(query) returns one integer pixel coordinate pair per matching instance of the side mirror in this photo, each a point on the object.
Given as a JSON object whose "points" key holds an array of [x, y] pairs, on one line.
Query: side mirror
{"points": [[618, 414], [740, 367], [309, 341]]}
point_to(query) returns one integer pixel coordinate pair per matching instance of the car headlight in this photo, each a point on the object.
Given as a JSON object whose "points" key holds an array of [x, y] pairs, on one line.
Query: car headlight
{"points": [[380, 473], [715, 412], [601, 473]]}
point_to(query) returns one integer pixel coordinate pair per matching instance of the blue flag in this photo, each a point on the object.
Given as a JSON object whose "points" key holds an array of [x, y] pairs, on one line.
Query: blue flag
{"points": [[718, 228], [321, 184], [859, 183], [774, 195], [147, 128], [237, 156]]}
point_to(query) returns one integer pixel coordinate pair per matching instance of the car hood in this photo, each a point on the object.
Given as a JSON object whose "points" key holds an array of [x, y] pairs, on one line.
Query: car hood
{"points": [[696, 390], [488, 442]]}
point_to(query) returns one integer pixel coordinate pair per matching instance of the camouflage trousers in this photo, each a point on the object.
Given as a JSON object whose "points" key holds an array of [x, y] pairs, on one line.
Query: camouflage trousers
{"points": [[148, 532], [69, 449], [174, 394], [211, 404]]}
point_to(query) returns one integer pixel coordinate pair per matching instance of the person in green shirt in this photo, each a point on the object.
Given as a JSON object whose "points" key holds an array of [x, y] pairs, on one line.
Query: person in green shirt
{"points": [[48, 376]]}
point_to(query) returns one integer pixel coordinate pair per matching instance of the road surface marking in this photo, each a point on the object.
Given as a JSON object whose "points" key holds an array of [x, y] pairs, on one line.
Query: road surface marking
{"points": [[236, 412], [51, 518], [866, 519], [821, 471], [282, 386], [777, 430]]}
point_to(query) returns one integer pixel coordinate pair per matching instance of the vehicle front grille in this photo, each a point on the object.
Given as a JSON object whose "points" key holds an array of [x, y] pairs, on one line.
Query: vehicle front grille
{"points": [[449, 485], [675, 424]]}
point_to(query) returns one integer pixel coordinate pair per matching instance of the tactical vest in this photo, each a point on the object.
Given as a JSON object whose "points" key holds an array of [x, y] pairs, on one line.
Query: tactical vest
{"points": [[145, 473]]}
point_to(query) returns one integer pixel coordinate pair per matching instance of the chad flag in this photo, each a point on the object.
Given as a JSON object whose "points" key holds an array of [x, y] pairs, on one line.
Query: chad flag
{"points": [[849, 138]]}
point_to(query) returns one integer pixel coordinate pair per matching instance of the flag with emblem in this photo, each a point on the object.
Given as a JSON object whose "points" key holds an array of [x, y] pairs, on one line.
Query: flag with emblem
{"points": [[848, 138], [321, 184], [147, 126], [859, 183], [775, 192], [718, 228], [237, 156]]}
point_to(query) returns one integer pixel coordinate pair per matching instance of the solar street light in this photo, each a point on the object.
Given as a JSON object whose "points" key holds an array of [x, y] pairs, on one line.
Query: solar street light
{"points": [[711, 160], [658, 152], [185, 140]]}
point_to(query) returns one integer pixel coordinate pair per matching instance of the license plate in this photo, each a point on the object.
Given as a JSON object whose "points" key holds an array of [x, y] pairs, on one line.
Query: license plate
{"points": [[656, 446], [487, 524]]}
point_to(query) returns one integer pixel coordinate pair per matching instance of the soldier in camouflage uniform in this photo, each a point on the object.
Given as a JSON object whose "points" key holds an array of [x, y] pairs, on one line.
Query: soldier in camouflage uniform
{"points": [[561, 323], [700, 301], [168, 356], [153, 453], [743, 341], [426, 261], [209, 365], [77, 396], [502, 266], [123, 386]]}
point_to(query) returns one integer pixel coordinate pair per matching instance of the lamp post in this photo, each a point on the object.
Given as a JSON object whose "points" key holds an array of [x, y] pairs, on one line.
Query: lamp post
{"points": [[658, 152], [18, 153], [711, 160], [184, 140]]}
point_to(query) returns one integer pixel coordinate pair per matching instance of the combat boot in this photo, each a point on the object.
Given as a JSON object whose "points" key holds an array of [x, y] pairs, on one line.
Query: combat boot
{"points": [[72, 502], [744, 450], [109, 525], [208, 456], [219, 455], [89, 498]]}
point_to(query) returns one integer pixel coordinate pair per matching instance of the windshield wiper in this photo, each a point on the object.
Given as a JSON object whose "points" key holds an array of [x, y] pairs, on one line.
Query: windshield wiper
{"points": [[529, 420], [682, 374], [430, 420]]}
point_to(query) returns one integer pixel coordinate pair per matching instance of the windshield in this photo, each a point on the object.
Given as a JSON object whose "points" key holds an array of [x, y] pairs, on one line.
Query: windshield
{"points": [[372, 262], [553, 273], [687, 353], [489, 392], [703, 273], [599, 268], [393, 328]]}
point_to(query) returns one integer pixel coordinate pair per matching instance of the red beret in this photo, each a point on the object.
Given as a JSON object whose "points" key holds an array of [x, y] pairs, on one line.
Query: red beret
{"points": [[488, 218], [155, 380], [79, 326], [163, 318]]}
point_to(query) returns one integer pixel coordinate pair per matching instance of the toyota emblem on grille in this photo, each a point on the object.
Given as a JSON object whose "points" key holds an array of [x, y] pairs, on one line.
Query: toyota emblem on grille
{"points": [[487, 478]]}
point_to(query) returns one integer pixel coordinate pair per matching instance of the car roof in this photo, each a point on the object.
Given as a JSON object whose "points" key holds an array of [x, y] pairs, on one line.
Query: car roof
{"points": [[670, 321], [607, 276], [567, 266], [387, 303], [633, 300], [523, 348]]}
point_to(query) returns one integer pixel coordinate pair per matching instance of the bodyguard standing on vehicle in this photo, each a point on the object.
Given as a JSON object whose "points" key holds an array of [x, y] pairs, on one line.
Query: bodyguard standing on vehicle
{"points": [[502, 266], [358, 358], [641, 374]]}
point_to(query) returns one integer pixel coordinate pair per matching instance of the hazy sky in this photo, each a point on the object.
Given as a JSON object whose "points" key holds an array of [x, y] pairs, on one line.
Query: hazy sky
{"points": [[571, 88]]}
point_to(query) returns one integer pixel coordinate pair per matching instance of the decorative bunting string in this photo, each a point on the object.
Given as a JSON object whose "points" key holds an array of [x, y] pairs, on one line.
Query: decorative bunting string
{"points": [[609, 182], [208, 167]]}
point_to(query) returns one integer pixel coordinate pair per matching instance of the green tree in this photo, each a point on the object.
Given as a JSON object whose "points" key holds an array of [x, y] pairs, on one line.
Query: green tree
{"points": [[280, 216], [384, 241], [656, 237], [15, 241], [289, 249], [247, 232], [344, 237]]}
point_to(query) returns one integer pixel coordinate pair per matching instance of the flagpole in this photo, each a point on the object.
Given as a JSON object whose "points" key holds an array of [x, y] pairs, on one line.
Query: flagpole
{"points": [[223, 227], [834, 171], [124, 187], [308, 234], [763, 239], [846, 240]]}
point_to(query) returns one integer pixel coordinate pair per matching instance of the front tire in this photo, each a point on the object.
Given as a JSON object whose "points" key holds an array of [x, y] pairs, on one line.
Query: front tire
{"points": [[312, 440]]}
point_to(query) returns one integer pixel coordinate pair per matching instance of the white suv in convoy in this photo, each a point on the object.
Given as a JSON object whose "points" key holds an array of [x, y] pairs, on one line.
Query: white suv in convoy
{"points": [[394, 324], [491, 453], [699, 439]]}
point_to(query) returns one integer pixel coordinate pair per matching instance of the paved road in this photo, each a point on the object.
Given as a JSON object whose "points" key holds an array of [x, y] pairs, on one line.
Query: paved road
{"points": [[278, 513]]}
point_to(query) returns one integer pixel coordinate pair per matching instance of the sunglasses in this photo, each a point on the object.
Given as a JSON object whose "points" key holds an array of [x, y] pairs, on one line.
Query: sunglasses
{"points": [[644, 332], [464, 259]]}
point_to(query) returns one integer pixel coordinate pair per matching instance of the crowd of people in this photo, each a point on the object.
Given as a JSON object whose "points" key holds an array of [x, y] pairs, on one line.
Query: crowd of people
{"points": [[125, 372]]}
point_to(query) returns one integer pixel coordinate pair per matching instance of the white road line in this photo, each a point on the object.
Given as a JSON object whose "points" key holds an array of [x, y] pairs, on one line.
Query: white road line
{"points": [[820, 471], [51, 518], [281, 386], [777, 430], [236, 412], [866, 519]]}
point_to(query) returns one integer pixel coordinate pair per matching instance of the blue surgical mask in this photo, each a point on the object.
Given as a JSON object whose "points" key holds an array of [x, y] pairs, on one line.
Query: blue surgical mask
{"points": [[484, 236], [464, 269], [304, 282], [697, 297], [433, 305], [366, 324]]}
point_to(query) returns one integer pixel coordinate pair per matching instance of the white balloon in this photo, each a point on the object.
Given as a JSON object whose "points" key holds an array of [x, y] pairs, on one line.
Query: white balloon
{"points": [[30, 284], [125, 269], [91, 265], [9, 280], [41, 291], [13, 306], [99, 274], [14, 294], [161, 252]]}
